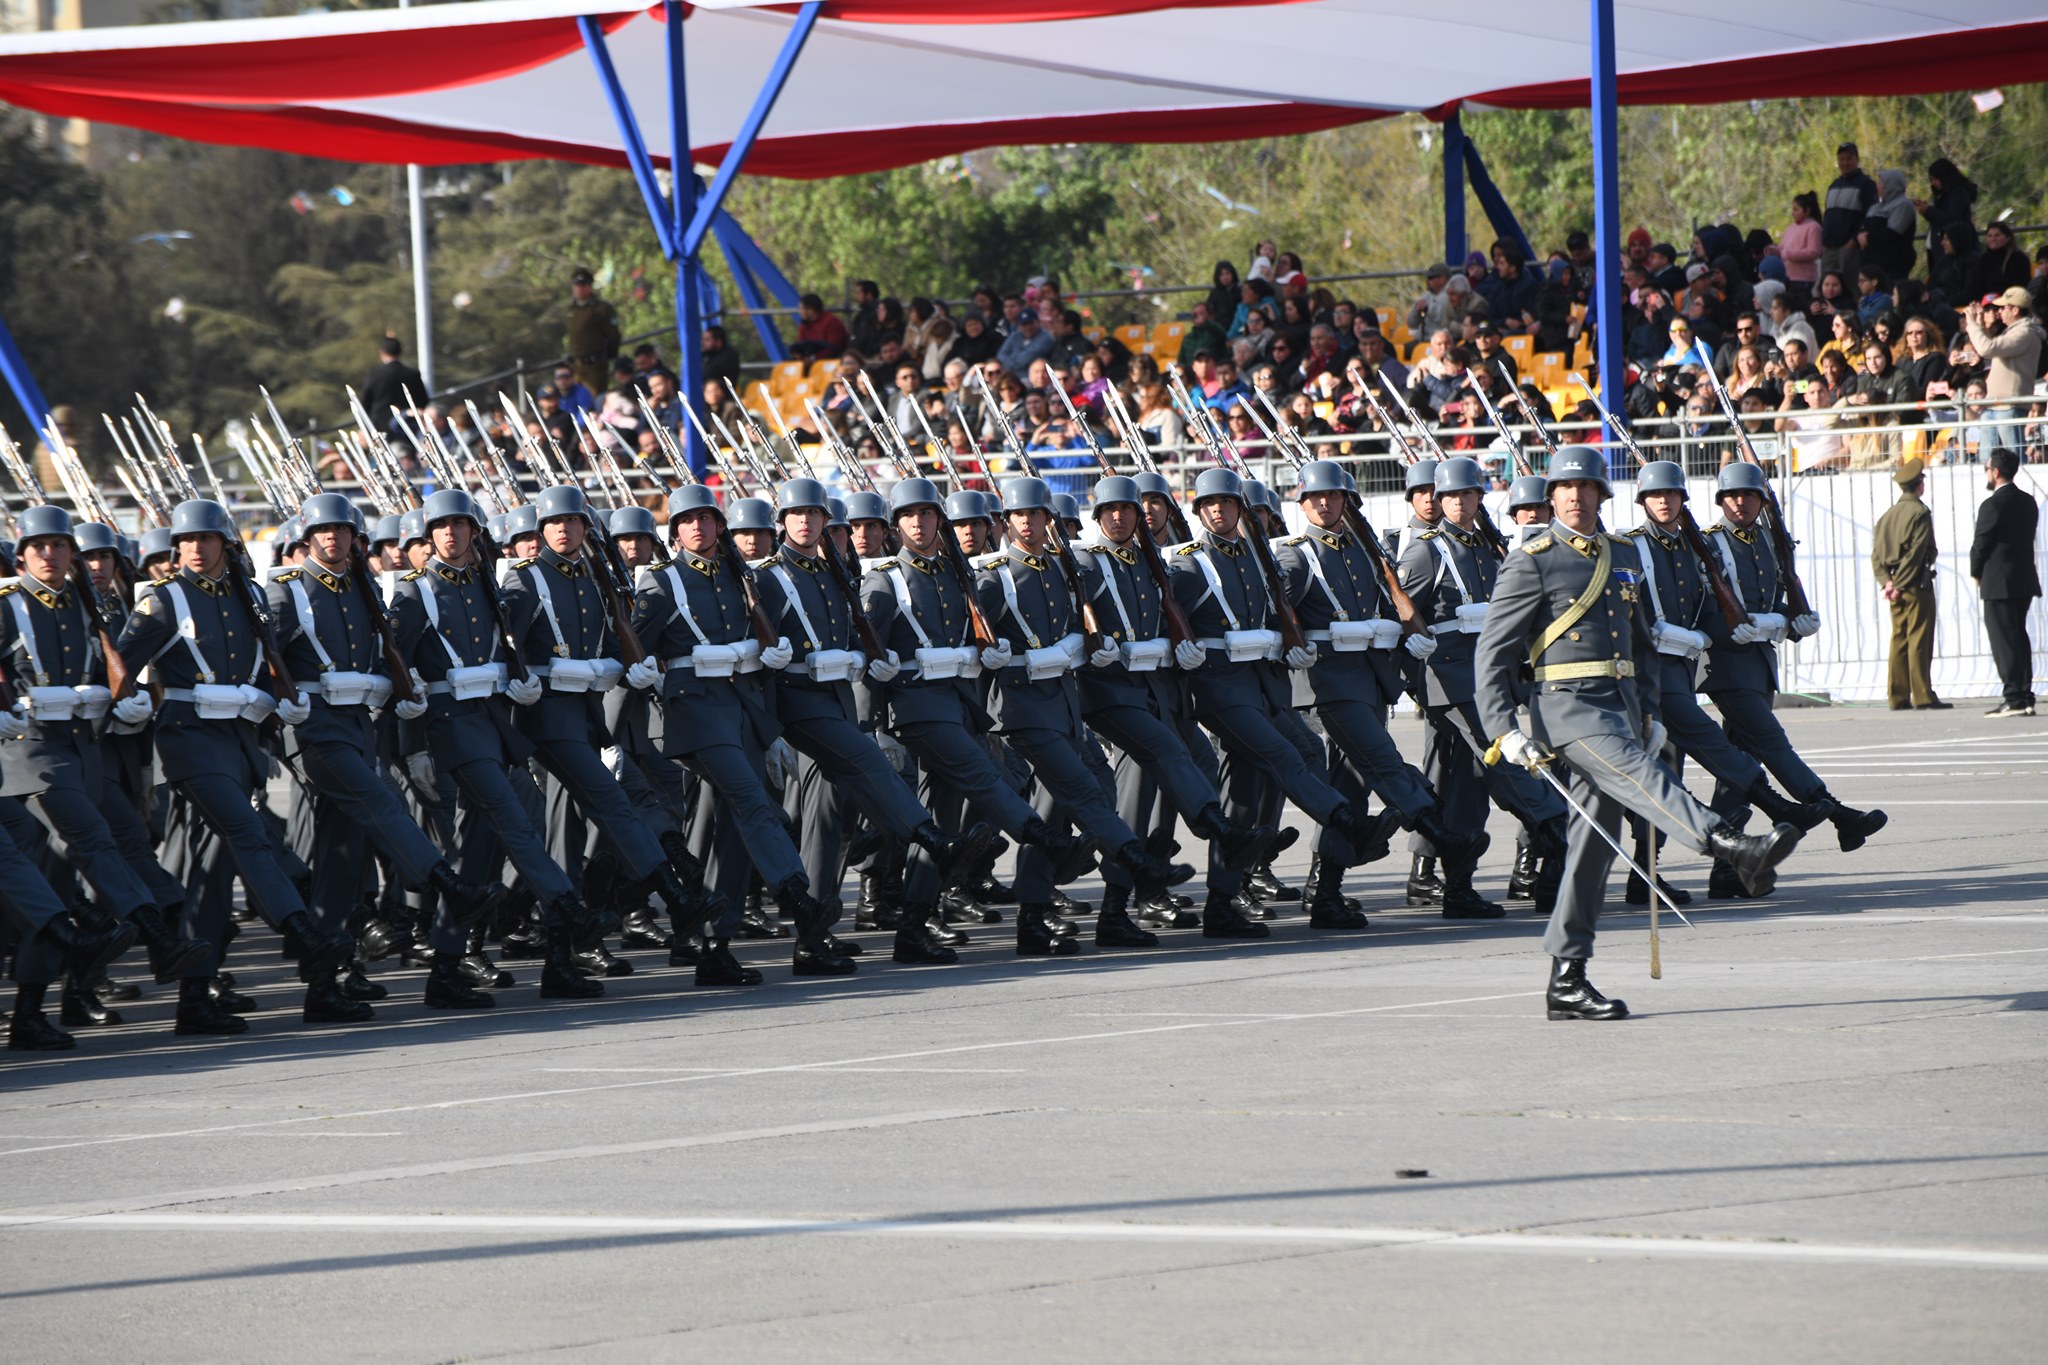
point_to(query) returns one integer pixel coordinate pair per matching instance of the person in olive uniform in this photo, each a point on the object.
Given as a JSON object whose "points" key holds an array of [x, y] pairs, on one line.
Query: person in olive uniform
{"points": [[1902, 554], [592, 332], [1568, 614]]}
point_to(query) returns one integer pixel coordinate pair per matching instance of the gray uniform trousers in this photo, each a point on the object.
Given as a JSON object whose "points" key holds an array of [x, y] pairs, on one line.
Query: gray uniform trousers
{"points": [[576, 766], [738, 828], [1751, 725], [354, 810], [26, 898], [83, 840], [1077, 778], [1155, 746], [961, 778], [244, 840], [820, 810], [492, 827], [1610, 774]]}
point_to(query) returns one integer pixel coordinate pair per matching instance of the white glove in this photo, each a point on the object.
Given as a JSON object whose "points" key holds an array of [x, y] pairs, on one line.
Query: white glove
{"points": [[524, 691], [777, 655], [132, 710], [411, 710], [1421, 644], [892, 749], [1745, 634], [1517, 747], [781, 761], [1301, 656], [1105, 656], [1805, 626], [1657, 737], [996, 656], [885, 668], [420, 768], [1190, 655], [644, 674], [13, 725], [294, 710]]}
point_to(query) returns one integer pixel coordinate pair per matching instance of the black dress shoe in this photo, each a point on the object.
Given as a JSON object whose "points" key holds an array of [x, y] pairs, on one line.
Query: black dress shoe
{"points": [[1638, 892], [199, 1016], [83, 1009], [1571, 996], [844, 947], [719, 967], [449, 989], [598, 960], [917, 946], [325, 1004], [1222, 917], [819, 960], [358, 986], [35, 1033], [642, 930], [485, 973], [1424, 886], [1465, 903]]}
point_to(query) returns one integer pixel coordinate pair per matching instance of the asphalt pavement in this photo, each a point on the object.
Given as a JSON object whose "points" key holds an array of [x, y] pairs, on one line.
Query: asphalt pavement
{"points": [[1823, 1137]]}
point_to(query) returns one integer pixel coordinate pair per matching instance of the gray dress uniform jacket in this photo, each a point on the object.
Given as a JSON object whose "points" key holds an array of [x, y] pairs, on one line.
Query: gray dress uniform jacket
{"points": [[224, 623], [1128, 607], [67, 648], [341, 620], [799, 590], [1244, 605], [457, 732], [937, 617], [701, 711], [1044, 615], [1442, 569], [1760, 587], [1331, 577], [578, 628]]}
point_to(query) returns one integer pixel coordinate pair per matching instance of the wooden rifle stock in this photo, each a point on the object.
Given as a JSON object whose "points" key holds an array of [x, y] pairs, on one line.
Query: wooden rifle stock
{"points": [[1781, 538], [241, 571], [401, 673], [1724, 595]]}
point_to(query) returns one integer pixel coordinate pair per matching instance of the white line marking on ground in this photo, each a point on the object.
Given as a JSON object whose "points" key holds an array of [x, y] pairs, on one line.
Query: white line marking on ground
{"points": [[769, 1071], [822, 1071], [1679, 1248]]}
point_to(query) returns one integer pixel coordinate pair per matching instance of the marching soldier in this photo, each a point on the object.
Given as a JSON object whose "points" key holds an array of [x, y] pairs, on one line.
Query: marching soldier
{"points": [[199, 631], [328, 622], [1528, 507], [751, 525], [1742, 661], [1341, 601], [1567, 615], [1449, 571]]}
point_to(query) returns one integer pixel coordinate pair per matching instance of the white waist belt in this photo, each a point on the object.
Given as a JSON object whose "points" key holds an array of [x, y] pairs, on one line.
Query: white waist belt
{"points": [[343, 688], [1244, 646], [86, 701], [471, 682], [225, 701], [581, 675]]}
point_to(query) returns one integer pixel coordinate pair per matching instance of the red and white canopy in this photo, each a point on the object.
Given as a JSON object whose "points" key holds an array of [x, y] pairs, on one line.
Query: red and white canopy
{"points": [[891, 82]]}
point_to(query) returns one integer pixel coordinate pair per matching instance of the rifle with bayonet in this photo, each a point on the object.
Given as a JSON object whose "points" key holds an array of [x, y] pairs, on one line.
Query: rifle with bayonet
{"points": [[1781, 534], [665, 441], [1177, 627], [1488, 532]]}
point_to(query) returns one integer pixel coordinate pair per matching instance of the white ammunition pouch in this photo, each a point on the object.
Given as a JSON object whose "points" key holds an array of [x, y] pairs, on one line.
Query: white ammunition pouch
{"points": [[1243, 646], [833, 665], [1146, 656], [257, 704], [342, 688], [473, 681], [87, 701], [938, 662], [1677, 641]]}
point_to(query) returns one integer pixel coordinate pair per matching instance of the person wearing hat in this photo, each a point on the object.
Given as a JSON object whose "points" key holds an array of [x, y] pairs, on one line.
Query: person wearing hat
{"points": [[1677, 593], [1528, 507], [1433, 311], [2013, 362], [1568, 615], [591, 333], [750, 525], [973, 522], [1902, 554], [1035, 700], [1741, 674], [1340, 596], [1449, 572], [198, 633], [328, 626]]}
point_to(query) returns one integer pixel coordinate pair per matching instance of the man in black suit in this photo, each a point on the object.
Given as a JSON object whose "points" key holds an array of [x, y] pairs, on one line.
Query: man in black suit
{"points": [[2002, 563], [391, 384]]}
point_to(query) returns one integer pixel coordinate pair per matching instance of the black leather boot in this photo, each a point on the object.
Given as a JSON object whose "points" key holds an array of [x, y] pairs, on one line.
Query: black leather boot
{"points": [[356, 984], [1571, 996], [960, 907], [467, 903], [448, 988], [30, 1030], [477, 964], [1057, 846], [1371, 836], [1461, 901], [875, 910], [1724, 885], [1522, 879], [816, 952], [597, 960], [171, 957], [1264, 884], [1065, 905], [641, 929], [323, 953], [1324, 893], [87, 953], [1038, 936], [756, 922], [1449, 844], [222, 989], [917, 945], [1150, 870], [1114, 927], [325, 1004], [957, 859], [687, 865], [1752, 857], [1638, 892], [1163, 910], [585, 924], [1222, 917], [1852, 827], [82, 1008], [1241, 846], [1783, 810], [1424, 886], [199, 1016], [559, 979], [716, 966]]}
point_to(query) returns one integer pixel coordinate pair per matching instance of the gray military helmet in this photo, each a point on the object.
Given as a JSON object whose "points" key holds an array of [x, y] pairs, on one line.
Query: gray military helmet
{"points": [[1578, 462], [496, 529], [1325, 476], [1218, 483], [909, 493], [1740, 477], [695, 497], [563, 500], [291, 531], [1026, 494], [835, 512], [385, 531], [92, 537], [1066, 506], [128, 548], [797, 494], [1530, 490], [866, 507], [1255, 493], [42, 521], [1460, 475], [631, 521], [448, 504], [359, 517], [748, 514], [156, 544], [412, 526], [521, 521], [1151, 481], [198, 516], [1661, 476], [968, 505], [1421, 474], [326, 509], [1117, 488]]}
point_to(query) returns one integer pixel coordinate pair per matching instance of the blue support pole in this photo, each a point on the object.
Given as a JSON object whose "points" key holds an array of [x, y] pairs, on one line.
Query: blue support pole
{"points": [[689, 269], [26, 391], [765, 270], [1454, 190], [1606, 307], [725, 230], [629, 134], [764, 103]]}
